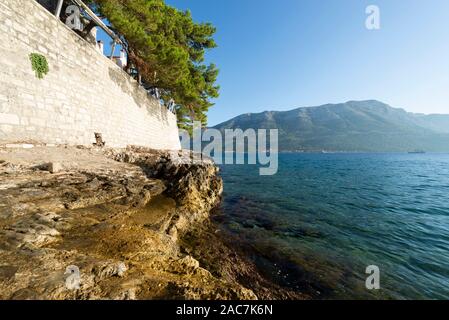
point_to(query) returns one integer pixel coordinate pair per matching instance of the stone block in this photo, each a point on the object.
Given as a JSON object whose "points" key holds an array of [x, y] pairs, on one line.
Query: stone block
{"points": [[8, 118], [54, 167]]}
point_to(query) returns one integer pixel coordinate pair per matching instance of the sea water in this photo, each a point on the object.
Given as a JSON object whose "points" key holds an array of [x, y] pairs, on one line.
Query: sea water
{"points": [[319, 222]]}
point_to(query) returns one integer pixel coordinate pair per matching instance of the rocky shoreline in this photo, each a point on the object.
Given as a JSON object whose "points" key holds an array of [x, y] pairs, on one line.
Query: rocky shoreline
{"points": [[135, 222], [116, 215]]}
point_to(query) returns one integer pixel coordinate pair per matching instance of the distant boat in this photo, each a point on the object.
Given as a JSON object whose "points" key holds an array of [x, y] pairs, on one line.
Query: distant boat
{"points": [[417, 152]]}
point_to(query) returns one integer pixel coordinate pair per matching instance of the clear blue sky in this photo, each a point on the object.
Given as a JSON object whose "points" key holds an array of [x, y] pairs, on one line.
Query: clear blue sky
{"points": [[278, 55]]}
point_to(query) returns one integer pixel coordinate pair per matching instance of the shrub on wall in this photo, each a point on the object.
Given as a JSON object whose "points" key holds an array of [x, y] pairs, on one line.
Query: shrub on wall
{"points": [[39, 64]]}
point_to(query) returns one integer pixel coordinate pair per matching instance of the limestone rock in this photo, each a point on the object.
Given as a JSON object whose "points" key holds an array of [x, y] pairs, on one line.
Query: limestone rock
{"points": [[117, 221], [189, 262]]}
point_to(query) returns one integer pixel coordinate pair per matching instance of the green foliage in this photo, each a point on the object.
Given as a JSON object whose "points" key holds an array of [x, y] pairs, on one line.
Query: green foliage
{"points": [[39, 64], [168, 49]]}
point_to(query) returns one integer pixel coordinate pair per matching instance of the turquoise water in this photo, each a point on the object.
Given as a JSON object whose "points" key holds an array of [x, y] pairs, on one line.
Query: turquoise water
{"points": [[318, 223]]}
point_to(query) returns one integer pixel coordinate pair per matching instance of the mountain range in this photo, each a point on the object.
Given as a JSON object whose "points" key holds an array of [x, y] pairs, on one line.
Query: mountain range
{"points": [[354, 126]]}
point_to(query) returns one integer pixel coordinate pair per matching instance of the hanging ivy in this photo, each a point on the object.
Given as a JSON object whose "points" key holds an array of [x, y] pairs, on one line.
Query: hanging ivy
{"points": [[39, 64]]}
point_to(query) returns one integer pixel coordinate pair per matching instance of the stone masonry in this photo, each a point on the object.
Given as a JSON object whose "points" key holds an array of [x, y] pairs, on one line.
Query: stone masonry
{"points": [[84, 92]]}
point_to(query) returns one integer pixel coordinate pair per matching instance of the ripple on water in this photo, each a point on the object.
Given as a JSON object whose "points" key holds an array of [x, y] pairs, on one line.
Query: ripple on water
{"points": [[323, 218]]}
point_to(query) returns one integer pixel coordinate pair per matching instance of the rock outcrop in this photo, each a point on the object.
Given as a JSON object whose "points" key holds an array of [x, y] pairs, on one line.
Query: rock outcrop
{"points": [[105, 225], [191, 179]]}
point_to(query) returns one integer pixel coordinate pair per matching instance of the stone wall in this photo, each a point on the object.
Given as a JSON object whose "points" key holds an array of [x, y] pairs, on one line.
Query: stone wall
{"points": [[83, 93]]}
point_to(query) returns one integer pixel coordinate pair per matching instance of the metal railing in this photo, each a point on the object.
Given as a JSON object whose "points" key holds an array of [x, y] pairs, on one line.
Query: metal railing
{"points": [[116, 39]]}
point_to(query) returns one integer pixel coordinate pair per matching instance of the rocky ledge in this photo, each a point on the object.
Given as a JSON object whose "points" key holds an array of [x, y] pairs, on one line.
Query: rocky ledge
{"points": [[79, 223]]}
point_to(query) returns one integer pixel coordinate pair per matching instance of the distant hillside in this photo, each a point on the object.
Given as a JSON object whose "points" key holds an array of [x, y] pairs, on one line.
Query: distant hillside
{"points": [[366, 126]]}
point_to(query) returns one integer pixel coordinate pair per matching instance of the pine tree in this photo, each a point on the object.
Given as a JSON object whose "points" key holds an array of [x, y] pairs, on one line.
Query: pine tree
{"points": [[167, 47]]}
